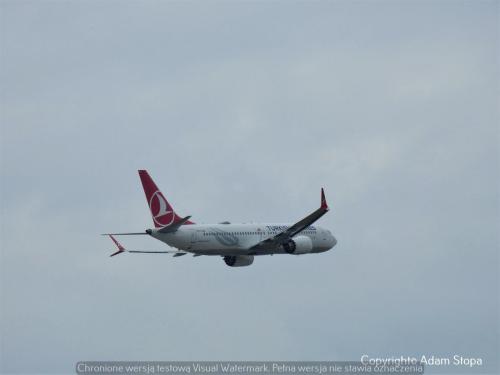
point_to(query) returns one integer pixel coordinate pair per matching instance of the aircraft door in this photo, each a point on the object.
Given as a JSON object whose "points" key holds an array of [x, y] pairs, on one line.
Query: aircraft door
{"points": [[261, 234], [194, 237]]}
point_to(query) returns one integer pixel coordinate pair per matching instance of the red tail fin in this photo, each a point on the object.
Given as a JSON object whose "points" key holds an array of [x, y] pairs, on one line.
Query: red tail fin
{"points": [[162, 212]]}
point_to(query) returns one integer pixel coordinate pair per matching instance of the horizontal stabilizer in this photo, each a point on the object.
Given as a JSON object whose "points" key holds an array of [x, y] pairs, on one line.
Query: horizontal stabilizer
{"points": [[150, 252], [124, 234]]}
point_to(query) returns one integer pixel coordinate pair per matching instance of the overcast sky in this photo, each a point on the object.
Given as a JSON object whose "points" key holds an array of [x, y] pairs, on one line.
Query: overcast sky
{"points": [[241, 111]]}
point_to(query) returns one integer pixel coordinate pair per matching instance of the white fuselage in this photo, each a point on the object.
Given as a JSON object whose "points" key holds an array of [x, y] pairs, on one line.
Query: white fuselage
{"points": [[237, 239]]}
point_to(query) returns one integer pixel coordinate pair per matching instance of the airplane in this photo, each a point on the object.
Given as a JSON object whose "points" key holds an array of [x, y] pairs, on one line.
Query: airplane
{"points": [[237, 244]]}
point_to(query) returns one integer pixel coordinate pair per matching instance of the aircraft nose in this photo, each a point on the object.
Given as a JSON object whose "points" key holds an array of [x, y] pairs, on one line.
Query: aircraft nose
{"points": [[333, 241]]}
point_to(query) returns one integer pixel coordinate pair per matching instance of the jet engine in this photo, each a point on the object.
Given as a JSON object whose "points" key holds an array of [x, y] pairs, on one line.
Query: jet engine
{"points": [[238, 260], [298, 245]]}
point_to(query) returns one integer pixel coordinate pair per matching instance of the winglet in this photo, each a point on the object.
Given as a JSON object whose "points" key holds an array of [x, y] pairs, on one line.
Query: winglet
{"points": [[121, 249], [324, 205]]}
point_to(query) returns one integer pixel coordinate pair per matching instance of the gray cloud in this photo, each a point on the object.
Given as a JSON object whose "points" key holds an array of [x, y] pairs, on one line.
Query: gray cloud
{"points": [[242, 112]]}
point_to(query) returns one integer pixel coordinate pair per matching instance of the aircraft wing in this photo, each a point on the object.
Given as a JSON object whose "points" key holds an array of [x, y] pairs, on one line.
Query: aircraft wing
{"points": [[282, 237], [121, 249]]}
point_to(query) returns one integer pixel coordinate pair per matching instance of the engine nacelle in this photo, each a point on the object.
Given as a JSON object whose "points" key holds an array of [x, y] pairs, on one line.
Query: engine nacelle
{"points": [[238, 260], [298, 245]]}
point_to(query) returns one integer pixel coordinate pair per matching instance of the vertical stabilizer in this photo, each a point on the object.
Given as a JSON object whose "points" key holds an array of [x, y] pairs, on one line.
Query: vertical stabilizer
{"points": [[162, 212]]}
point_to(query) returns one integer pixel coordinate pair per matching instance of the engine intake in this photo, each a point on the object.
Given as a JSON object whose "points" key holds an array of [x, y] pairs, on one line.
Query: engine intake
{"points": [[238, 260], [298, 245]]}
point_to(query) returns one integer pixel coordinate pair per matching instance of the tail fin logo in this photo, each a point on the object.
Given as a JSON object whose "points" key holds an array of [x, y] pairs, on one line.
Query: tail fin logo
{"points": [[162, 213]]}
